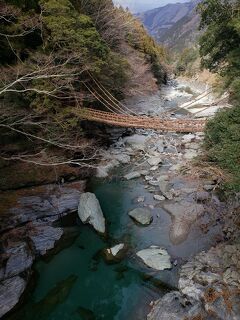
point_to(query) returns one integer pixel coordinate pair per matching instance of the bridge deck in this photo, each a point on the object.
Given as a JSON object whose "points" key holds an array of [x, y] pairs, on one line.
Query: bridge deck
{"points": [[132, 121]]}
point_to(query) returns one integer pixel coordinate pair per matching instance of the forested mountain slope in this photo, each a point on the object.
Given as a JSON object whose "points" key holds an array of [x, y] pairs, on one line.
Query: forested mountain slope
{"points": [[174, 25], [54, 54]]}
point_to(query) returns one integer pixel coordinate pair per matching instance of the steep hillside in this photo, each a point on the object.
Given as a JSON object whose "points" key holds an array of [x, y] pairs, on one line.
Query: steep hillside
{"points": [[174, 25], [58, 57]]}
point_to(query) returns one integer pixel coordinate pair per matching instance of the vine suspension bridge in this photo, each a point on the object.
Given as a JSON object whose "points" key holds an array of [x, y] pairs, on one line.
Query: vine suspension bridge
{"points": [[121, 116]]}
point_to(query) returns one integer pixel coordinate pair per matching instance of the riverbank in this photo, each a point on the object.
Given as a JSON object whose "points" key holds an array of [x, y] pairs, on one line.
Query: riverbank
{"points": [[187, 215]]}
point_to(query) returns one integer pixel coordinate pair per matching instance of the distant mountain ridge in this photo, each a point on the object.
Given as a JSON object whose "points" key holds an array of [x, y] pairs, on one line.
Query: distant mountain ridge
{"points": [[174, 25], [143, 5]]}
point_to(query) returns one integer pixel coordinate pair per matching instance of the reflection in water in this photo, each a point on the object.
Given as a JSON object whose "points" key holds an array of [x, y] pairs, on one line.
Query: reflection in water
{"points": [[85, 314], [55, 296]]}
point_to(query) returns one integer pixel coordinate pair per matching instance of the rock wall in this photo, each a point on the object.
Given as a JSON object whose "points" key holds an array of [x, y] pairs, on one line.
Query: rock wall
{"points": [[27, 232]]}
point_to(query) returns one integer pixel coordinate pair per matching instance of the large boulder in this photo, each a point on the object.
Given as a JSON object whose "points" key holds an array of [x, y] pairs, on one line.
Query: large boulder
{"points": [[19, 261], [44, 237], [132, 175], [141, 215], [183, 215], [10, 293], [89, 211], [174, 306], [155, 257]]}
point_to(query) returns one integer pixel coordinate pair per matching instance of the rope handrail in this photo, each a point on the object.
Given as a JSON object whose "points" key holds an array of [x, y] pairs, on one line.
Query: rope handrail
{"points": [[123, 120]]}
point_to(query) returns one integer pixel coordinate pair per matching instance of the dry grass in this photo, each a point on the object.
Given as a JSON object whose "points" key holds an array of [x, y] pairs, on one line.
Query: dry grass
{"points": [[202, 169], [211, 295]]}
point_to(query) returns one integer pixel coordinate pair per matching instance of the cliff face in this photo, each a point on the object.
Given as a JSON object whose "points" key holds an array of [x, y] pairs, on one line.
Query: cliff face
{"points": [[174, 25]]}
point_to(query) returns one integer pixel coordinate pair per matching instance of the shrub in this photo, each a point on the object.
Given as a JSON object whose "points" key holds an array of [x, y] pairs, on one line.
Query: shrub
{"points": [[223, 143]]}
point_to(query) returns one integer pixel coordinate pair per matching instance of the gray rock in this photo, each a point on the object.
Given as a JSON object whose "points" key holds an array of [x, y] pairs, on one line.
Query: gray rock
{"points": [[148, 178], [183, 215], [104, 169], [136, 142], [159, 146], [164, 186], [141, 215], [143, 172], [154, 161], [173, 306], [202, 196], [208, 187], [171, 150], [188, 190], [188, 138], [122, 158], [190, 154], [132, 175], [159, 198], [155, 257], [153, 183], [45, 237], [176, 167], [10, 293], [154, 168], [20, 260], [89, 211], [194, 146], [139, 199], [115, 253]]}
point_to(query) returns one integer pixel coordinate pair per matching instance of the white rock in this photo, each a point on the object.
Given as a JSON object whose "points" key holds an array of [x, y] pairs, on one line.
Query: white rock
{"points": [[190, 154], [154, 168], [154, 161], [132, 175], [122, 158], [141, 215], [116, 249], [159, 198], [188, 138], [136, 141], [155, 257], [89, 211]]}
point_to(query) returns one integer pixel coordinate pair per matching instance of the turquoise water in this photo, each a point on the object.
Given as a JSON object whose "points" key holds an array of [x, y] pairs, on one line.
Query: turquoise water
{"points": [[77, 283]]}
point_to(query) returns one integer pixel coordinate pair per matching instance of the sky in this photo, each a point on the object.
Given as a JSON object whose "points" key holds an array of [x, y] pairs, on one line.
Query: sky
{"points": [[143, 5]]}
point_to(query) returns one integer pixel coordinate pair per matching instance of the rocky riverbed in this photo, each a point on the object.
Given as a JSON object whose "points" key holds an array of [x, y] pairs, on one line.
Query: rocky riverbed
{"points": [[209, 283]]}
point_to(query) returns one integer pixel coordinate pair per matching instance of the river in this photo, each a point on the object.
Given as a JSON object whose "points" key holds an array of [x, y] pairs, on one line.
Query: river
{"points": [[77, 283]]}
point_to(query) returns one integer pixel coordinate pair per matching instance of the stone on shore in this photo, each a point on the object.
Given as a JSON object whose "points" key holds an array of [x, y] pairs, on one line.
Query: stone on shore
{"points": [[173, 306], [159, 198], [10, 293], [141, 215], [89, 211], [136, 142], [132, 175], [155, 257], [154, 161], [187, 138]]}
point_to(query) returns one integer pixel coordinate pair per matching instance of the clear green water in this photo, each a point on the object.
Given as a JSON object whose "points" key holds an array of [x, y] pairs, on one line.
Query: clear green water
{"points": [[78, 284]]}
